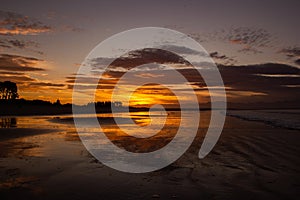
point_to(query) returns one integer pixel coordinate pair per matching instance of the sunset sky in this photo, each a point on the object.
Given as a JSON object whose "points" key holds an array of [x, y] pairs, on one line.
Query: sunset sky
{"points": [[42, 43]]}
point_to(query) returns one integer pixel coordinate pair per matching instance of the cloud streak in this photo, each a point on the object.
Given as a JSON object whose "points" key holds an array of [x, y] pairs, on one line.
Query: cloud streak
{"points": [[18, 44], [9, 62], [16, 24], [292, 53], [250, 39]]}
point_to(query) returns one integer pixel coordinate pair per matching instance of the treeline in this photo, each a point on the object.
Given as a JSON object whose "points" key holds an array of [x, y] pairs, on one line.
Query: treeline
{"points": [[40, 107], [13, 107]]}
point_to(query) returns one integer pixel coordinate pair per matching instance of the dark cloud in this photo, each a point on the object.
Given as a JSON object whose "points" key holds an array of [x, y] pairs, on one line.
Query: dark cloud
{"points": [[47, 84], [17, 79], [80, 79], [216, 55], [257, 85], [17, 43], [10, 62], [254, 83], [16, 24], [291, 51], [158, 59], [223, 58], [139, 57], [20, 44], [249, 78]]}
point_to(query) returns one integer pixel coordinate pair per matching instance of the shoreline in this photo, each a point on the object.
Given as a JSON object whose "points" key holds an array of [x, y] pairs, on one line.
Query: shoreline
{"points": [[53, 113]]}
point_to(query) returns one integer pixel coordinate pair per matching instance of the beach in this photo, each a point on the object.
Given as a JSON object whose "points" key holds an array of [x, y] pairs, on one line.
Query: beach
{"points": [[42, 157]]}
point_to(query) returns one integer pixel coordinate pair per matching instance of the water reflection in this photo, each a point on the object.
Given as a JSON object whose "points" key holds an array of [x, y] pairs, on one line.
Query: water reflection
{"points": [[123, 134], [8, 122], [119, 134], [119, 137]]}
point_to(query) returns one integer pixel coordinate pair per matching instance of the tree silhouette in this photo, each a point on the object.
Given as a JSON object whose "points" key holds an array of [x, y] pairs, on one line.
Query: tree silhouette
{"points": [[8, 90]]}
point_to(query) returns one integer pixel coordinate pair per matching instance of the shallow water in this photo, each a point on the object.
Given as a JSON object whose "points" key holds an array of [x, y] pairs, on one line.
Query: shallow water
{"points": [[43, 157]]}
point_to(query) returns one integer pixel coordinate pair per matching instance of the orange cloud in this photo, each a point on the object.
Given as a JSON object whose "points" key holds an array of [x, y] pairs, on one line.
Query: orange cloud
{"points": [[23, 31], [236, 41]]}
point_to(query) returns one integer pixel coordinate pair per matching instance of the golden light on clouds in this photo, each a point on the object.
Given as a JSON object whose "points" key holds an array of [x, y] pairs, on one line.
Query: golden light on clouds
{"points": [[149, 95], [144, 96], [21, 31]]}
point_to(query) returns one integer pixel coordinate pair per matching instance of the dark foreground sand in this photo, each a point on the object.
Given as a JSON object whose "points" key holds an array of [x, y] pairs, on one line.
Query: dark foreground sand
{"points": [[252, 160]]}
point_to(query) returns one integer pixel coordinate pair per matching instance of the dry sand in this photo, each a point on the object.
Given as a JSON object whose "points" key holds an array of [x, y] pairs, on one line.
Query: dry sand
{"points": [[252, 160]]}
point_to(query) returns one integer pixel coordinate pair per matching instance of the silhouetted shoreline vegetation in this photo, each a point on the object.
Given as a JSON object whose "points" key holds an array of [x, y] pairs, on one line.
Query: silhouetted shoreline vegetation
{"points": [[32, 107], [40, 107], [22, 107]]}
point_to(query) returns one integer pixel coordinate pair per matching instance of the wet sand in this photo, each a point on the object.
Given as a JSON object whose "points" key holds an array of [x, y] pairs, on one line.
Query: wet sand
{"points": [[252, 160]]}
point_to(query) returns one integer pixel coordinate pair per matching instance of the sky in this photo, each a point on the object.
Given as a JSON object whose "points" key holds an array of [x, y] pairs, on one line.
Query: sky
{"points": [[43, 43]]}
